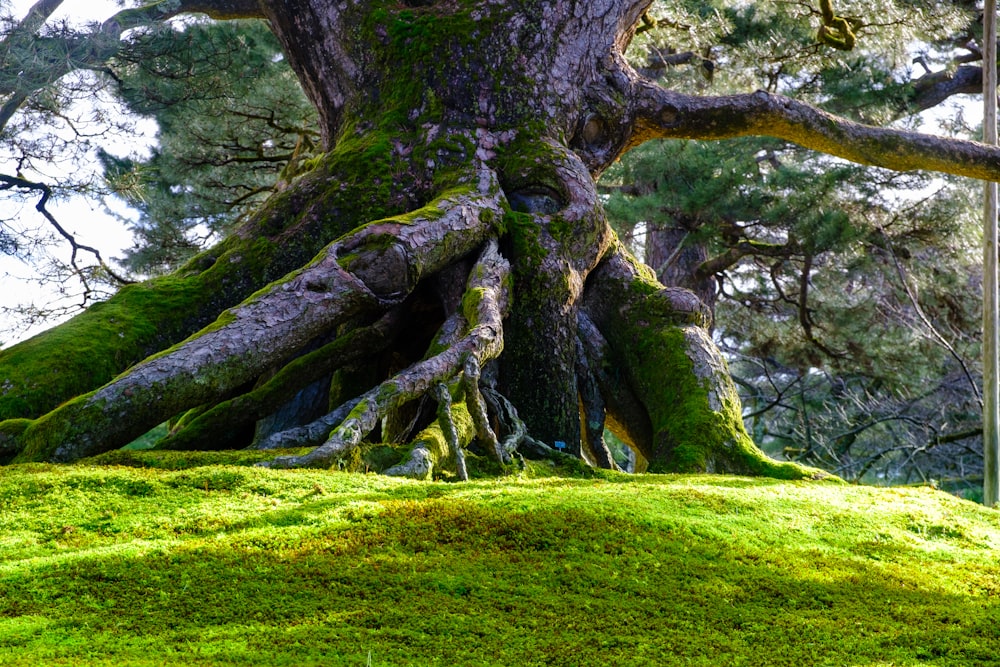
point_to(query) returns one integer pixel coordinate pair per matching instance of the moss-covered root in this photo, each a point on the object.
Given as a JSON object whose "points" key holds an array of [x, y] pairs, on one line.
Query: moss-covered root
{"points": [[90, 349], [677, 373], [431, 449], [683, 381], [483, 310], [363, 272], [218, 427]]}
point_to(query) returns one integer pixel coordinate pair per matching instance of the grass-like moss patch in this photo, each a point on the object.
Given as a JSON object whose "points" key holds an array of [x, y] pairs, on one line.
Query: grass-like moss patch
{"points": [[171, 560]]}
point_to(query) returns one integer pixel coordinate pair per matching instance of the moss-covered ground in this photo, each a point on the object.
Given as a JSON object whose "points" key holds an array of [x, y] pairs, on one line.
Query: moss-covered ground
{"points": [[177, 558]]}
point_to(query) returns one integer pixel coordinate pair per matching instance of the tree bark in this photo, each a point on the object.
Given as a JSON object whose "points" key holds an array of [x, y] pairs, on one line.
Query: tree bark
{"points": [[677, 259], [453, 130]]}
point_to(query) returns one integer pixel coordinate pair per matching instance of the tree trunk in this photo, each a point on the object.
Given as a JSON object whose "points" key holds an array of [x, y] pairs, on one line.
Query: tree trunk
{"points": [[676, 258], [458, 134]]}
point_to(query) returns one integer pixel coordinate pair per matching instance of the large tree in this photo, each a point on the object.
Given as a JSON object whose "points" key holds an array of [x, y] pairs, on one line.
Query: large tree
{"points": [[449, 242]]}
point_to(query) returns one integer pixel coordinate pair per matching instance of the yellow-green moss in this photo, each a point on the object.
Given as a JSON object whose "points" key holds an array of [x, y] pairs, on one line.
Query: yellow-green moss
{"points": [[695, 413], [689, 433], [432, 438]]}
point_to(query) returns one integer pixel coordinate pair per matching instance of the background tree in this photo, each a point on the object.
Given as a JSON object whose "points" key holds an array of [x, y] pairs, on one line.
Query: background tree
{"points": [[848, 294], [54, 107], [428, 159], [233, 124]]}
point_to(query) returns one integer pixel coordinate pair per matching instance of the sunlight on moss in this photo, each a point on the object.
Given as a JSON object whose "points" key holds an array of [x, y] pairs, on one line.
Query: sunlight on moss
{"points": [[231, 564]]}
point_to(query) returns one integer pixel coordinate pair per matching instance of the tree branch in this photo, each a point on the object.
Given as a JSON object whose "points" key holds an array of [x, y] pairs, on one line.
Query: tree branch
{"points": [[742, 249], [43, 62], [935, 87], [167, 9], [10, 182], [662, 113], [38, 15]]}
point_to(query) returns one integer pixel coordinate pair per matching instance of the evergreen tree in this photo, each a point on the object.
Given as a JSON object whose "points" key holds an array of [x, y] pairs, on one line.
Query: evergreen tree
{"points": [[846, 295], [233, 124]]}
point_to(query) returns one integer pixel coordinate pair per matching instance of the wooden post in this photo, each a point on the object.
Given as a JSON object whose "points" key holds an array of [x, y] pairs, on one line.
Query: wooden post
{"points": [[991, 407]]}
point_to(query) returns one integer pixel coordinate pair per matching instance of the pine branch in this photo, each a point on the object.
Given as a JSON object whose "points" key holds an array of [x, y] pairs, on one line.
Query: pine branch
{"points": [[662, 113], [31, 63]]}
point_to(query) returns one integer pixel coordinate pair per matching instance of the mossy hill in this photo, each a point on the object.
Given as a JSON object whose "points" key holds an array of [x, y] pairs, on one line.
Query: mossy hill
{"points": [[170, 558]]}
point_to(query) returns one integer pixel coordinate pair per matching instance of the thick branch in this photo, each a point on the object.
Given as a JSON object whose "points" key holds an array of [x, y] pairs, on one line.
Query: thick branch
{"points": [[935, 87], [166, 9], [667, 114], [37, 16], [720, 263], [30, 63]]}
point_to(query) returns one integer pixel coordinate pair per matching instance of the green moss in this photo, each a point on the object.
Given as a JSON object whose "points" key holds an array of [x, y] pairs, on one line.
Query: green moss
{"points": [[433, 441], [221, 564], [697, 421], [171, 460], [470, 304]]}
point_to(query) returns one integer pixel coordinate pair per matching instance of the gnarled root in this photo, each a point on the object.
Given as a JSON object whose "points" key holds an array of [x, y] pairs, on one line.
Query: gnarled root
{"points": [[592, 411], [364, 273], [217, 424], [657, 339], [483, 310]]}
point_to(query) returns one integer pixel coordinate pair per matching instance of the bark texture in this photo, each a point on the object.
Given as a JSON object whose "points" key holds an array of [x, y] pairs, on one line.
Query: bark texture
{"points": [[447, 260]]}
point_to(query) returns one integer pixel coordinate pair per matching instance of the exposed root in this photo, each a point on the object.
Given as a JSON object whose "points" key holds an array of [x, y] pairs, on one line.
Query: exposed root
{"points": [[431, 451], [517, 440], [311, 434], [624, 414], [477, 408], [660, 345], [592, 410], [484, 311], [366, 271], [450, 432], [506, 415], [216, 424]]}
